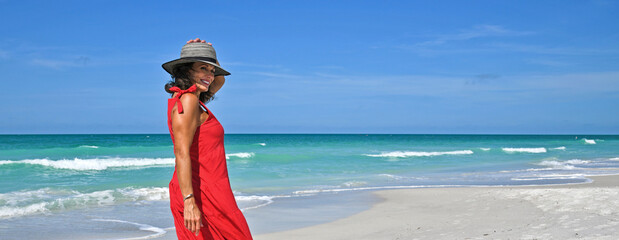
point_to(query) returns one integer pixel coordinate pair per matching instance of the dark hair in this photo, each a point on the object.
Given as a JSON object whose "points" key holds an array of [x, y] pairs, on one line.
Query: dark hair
{"points": [[181, 79]]}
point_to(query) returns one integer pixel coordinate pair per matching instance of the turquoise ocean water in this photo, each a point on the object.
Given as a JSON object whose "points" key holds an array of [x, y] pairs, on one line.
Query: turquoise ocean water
{"points": [[49, 179]]}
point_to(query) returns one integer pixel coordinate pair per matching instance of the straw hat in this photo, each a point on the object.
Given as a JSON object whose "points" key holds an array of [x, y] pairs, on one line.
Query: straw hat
{"points": [[196, 52]]}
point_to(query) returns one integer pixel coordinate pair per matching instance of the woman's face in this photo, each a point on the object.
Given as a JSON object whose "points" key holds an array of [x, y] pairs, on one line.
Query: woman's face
{"points": [[202, 74]]}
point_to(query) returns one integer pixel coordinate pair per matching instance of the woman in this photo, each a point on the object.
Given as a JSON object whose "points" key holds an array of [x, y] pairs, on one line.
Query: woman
{"points": [[201, 199]]}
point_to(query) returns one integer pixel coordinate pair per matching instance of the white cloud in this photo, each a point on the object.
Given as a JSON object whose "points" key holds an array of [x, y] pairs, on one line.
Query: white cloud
{"points": [[57, 64], [459, 42], [244, 64], [447, 45], [481, 86], [277, 75], [536, 49], [477, 31], [330, 67], [546, 62]]}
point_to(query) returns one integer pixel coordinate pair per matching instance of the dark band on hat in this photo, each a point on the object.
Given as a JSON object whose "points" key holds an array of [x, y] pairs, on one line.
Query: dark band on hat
{"points": [[208, 59]]}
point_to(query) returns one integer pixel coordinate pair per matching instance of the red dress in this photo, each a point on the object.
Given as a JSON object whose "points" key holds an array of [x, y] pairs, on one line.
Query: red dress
{"points": [[211, 186]]}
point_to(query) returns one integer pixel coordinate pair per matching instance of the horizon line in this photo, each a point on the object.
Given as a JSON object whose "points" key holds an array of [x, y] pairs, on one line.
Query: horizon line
{"points": [[556, 134]]}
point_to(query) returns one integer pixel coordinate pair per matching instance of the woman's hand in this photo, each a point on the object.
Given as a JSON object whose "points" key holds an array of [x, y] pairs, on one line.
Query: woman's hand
{"points": [[193, 216], [198, 40]]}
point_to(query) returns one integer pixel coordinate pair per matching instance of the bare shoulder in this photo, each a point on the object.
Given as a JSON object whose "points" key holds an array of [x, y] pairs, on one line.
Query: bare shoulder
{"points": [[191, 106], [189, 99]]}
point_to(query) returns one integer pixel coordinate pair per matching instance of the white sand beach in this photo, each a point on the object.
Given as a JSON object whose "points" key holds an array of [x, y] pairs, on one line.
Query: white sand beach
{"points": [[576, 211]]}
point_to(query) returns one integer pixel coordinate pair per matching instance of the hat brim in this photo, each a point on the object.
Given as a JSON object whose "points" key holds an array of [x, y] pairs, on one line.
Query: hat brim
{"points": [[169, 66]]}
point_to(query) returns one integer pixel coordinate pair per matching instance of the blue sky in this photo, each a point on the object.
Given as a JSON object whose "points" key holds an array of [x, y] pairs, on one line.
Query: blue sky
{"points": [[317, 66]]}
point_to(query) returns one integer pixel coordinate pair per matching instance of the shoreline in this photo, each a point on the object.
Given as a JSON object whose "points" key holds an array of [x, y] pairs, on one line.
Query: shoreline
{"points": [[561, 211]]}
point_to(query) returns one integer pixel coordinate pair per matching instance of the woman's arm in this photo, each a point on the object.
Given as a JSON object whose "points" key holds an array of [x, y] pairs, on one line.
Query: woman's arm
{"points": [[184, 126]]}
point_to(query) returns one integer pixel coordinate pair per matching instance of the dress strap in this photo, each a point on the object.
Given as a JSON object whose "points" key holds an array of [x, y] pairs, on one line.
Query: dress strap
{"points": [[177, 98]]}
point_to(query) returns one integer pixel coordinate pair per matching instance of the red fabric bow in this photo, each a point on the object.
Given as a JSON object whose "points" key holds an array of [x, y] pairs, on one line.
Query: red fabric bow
{"points": [[177, 98]]}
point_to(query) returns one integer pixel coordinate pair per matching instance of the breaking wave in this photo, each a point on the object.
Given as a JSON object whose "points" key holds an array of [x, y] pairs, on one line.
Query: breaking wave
{"points": [[563, 165], [45, 200], [48, 200], [401, 154], [240, 155], [94, 163], [525, 150], [105, 163], [88, 146], [589, 141]]}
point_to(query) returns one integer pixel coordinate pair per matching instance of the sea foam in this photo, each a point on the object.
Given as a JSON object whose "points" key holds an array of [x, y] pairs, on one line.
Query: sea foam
{"points": [[88, 146], [144, 227], [557, 165], [240, 155], [391, 176], [589, 141], [252, 202], [525, 150], [549, 177], [317, 191], [397, 177], [46, 200], [105, 163], [401, 154], [354, 184], [8, 212], [94, 164]]}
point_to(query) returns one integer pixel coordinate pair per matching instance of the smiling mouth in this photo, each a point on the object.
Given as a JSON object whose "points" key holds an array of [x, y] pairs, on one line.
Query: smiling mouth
{"points": [[205, 82]]}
